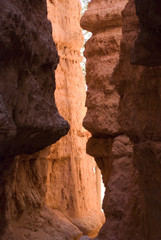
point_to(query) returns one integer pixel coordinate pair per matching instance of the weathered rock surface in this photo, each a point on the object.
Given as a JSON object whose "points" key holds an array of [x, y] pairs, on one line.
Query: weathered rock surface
{"points": [[72, 171], [54, 193], [133, 184], [104, 20], [140, 99], [123, 199], [112, 154], [29, 119], [139, 88], [24, 213]]}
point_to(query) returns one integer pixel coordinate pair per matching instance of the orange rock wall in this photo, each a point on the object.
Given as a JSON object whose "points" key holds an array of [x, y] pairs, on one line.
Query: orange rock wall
{"points": [[72, 172]]}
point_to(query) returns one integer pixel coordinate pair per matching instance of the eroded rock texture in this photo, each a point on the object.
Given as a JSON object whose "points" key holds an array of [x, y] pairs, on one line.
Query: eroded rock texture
{"points": [[139, 117], [122, 198], [113, 154], [104, 20], [24, 213], [73, 177], [29, 119], [132, 177], [54, 193]]}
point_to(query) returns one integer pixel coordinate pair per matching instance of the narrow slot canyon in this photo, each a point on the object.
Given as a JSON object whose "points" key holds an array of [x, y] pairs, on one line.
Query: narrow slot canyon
{"points": [[80, 155]]}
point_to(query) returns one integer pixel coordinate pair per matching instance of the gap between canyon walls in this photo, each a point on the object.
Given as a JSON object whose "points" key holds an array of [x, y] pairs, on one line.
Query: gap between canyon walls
{"points": [[53, 193], [87, 35]]}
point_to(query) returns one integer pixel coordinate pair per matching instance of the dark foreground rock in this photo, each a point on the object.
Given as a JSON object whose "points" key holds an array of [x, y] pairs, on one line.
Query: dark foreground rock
{"points": [[29, 119]]}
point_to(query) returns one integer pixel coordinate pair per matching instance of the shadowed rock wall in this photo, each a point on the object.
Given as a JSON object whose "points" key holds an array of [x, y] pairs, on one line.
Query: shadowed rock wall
{"points": [[139, 115], [104, 20], [147, 50], [29, 119]]}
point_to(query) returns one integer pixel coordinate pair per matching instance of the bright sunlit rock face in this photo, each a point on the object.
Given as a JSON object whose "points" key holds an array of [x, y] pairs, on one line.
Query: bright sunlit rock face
{"points": [[83, 185]]}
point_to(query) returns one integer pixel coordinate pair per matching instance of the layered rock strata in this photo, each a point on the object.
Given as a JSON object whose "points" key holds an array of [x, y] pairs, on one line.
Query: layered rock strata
{"points": [[29, 119]]}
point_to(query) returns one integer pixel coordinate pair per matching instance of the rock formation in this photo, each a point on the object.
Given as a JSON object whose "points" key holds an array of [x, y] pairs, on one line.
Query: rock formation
{"points": [[104, 20], [132, 177], [139, 115], [53, 193], [79, 188], [29, 119], [113, 154]]}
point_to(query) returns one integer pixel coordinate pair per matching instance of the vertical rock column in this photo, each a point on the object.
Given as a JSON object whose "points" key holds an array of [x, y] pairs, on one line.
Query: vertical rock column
{"points": [[123, 200], [72, 182], [103, 19]]}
